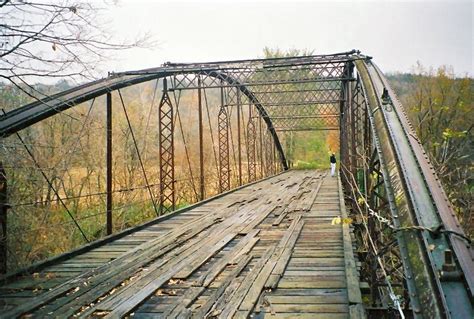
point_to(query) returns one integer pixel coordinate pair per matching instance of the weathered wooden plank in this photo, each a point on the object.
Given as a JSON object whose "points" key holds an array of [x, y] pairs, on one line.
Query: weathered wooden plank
{"points": [[206, 278], [155, 308], [352, 278], [202, 255], [337, 299], [123, 303], [324, 308], [143, 315], [128, 301], [187, 299], [315, 268], [309, 292], [205, 308], [260, 216], [101, 282], [283, 260], [312, 282], [291, 315], [308, 202], [182, 253], [22, 294], [245, 250], [241, 292], [331, 261], [255, 290], [315, 273], [311, 253]]}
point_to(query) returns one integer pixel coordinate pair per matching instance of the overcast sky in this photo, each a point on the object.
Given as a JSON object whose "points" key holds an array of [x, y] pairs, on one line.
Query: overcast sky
{"points": [[395, 33]]}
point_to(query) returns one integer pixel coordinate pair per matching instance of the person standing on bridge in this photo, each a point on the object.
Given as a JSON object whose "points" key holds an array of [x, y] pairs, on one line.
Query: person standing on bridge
{"points": [[332, 160]]}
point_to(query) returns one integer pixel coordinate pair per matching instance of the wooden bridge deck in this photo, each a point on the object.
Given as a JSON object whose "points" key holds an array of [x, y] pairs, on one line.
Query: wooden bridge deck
{"points": [[266, 250]]}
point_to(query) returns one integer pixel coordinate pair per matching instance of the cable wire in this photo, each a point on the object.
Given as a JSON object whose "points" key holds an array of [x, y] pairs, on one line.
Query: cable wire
{"points": [[138, 152]]}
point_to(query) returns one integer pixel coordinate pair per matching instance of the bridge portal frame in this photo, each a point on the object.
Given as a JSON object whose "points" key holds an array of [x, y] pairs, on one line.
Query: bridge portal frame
{"points": [[377, 146]]}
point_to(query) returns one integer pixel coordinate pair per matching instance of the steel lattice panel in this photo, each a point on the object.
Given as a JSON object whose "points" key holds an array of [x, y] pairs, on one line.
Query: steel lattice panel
{"points": [[303, 95]]}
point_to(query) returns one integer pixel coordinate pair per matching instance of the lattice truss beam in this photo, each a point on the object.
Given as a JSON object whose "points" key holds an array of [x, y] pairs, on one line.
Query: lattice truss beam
{"points": [[166, 140], [363, 177], [297, 95]]}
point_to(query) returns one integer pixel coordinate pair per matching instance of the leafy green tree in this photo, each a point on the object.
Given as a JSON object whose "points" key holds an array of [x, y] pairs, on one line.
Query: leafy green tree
{"points": [[440, 107]]}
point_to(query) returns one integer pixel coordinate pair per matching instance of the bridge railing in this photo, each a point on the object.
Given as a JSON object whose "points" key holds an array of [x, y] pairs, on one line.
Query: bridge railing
{"points": [[123, 158], [407, 236]]}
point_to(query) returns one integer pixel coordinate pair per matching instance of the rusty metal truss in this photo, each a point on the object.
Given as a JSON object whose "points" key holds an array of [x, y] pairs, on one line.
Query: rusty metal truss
{"points": [[415, 256], [304, 96], [406, 253], [223, 132], [166, 145], [251, 146]]}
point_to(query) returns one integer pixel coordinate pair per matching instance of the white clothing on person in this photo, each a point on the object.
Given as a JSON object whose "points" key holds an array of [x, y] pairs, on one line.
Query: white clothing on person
{"points": [[333, 169]]}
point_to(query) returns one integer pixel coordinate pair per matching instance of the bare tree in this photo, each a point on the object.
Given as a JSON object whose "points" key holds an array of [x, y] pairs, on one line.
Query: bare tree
{"points": [[45, 39]]}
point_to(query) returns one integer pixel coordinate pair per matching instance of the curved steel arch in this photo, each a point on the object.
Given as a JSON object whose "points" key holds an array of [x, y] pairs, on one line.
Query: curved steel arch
{"points": [[428, 229], [263, 113], [35, 112]]}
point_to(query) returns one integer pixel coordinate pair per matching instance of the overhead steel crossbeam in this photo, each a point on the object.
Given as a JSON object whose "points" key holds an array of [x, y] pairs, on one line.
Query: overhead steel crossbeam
{"points": [[301, 93], [301, 96]]}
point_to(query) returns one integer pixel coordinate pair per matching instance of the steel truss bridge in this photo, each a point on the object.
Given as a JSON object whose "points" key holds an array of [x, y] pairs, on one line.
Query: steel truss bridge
{"points": [[267, 242]]}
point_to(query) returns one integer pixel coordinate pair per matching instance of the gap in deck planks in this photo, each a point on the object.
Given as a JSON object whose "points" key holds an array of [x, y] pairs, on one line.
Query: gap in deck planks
{"points": [[265, 251]]}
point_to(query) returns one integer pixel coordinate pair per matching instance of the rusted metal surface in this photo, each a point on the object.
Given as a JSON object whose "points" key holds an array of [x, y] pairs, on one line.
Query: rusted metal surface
{"points": [[201, 144], [415, 257], [3, 219], [109, 173], [223, 132], [166, 140], [315, 82], [251, 147], [414, 215], [439, 198]]}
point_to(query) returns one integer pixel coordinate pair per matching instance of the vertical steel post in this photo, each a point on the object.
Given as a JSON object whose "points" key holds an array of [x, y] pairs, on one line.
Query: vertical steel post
{"points": [[353, 135], [345, 138], [270, 157], [262, 172], [109, 164], [224, 161], [251, 147], [166, 133], [3, 220], [348, 137], [274, 168], [239, 146], [277, 163], [367, 143], [351, 123], [344, 131], [272, 162], [375, 232], [201, 145], [342, 134], [358, 129], [268, 153]]}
